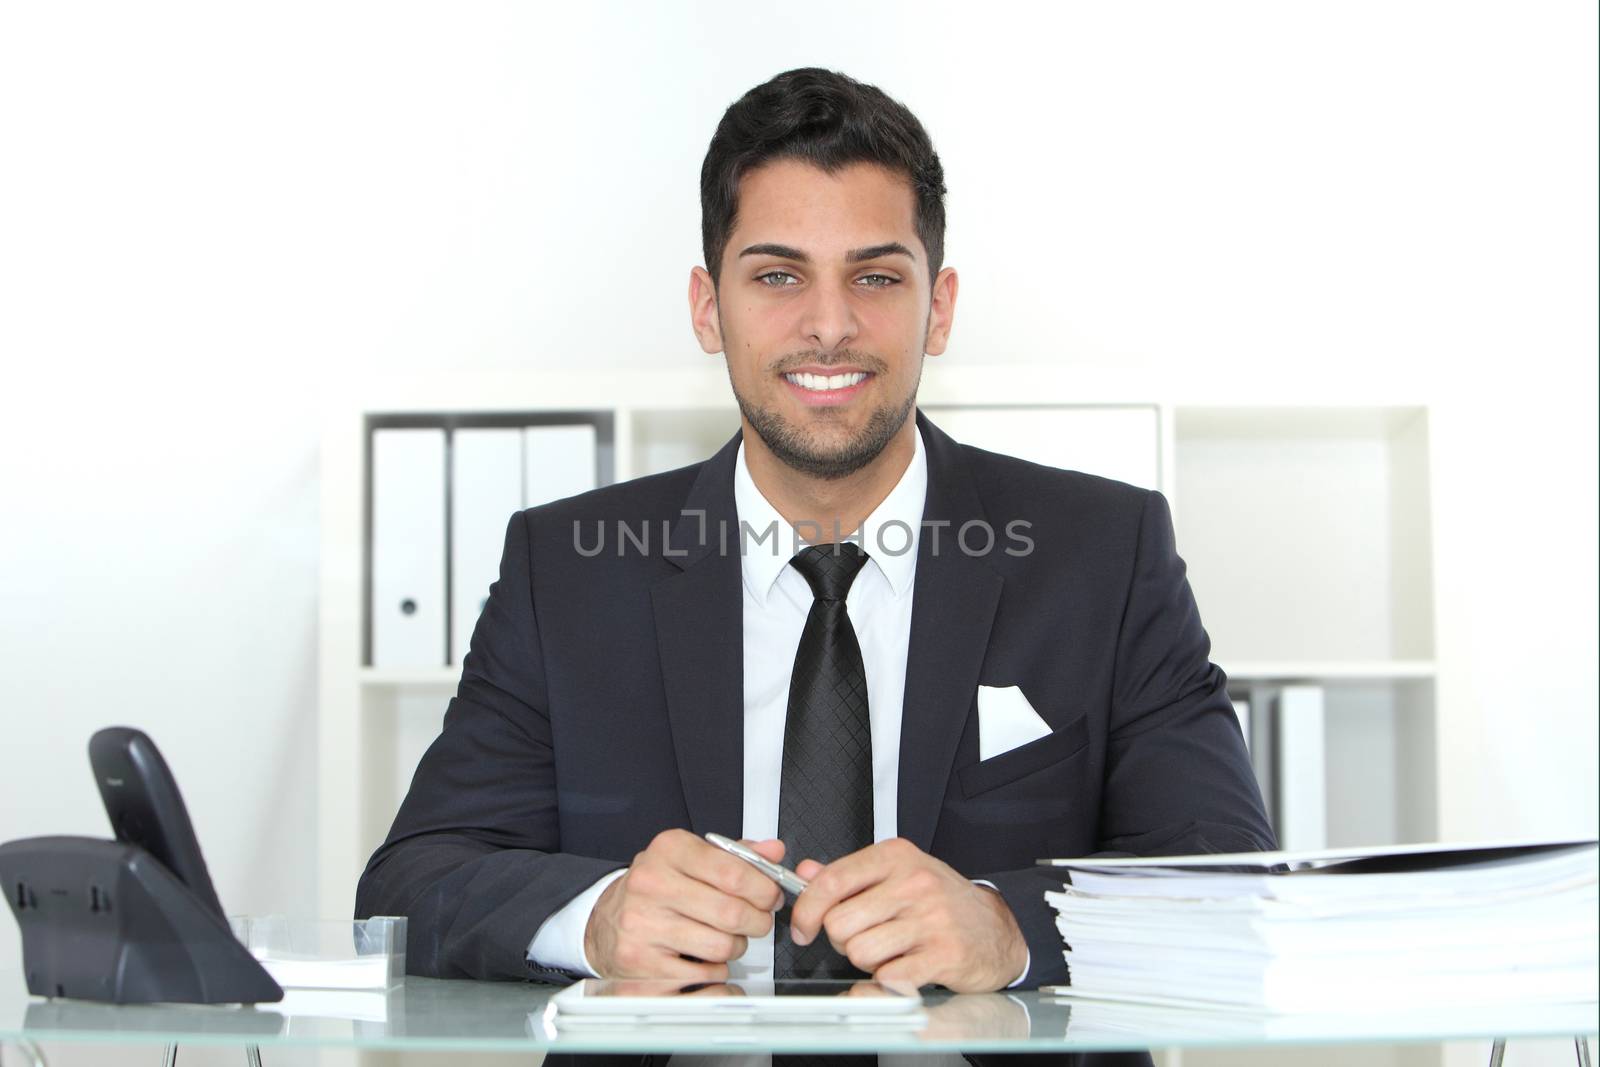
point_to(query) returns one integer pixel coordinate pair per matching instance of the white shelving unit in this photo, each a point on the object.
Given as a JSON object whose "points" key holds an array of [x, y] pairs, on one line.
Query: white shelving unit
{"points": [[1305, 525]]}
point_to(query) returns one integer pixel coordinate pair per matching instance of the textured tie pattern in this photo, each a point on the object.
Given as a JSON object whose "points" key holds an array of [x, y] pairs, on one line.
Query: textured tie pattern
{"points": [[825, 795]]}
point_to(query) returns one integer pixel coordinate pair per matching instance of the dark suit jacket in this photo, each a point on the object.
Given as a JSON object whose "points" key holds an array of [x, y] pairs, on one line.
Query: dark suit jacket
{"points": [[602, 702]]}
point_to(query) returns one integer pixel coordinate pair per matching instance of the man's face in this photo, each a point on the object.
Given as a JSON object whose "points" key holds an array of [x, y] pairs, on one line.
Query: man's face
{"points": [[824, 312]]}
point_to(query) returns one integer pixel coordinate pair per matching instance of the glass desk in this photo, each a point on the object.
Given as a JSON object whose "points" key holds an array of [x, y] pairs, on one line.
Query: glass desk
{"points": [[464, 1016]]}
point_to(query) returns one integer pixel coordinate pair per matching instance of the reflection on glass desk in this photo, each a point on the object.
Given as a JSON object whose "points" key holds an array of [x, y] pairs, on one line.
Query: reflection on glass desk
{"points": [[422, 1014]]}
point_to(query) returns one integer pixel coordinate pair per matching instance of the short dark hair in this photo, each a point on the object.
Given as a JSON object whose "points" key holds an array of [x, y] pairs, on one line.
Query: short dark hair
{"points": [[826, 119]]}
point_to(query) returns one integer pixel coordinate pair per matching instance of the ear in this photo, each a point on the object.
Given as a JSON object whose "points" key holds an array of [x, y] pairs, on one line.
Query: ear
{"points": [[942, 311], [703, 310]]}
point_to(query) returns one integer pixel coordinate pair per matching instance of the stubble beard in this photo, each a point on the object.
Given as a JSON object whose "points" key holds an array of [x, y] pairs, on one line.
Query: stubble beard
{"points": [[799, 450]]}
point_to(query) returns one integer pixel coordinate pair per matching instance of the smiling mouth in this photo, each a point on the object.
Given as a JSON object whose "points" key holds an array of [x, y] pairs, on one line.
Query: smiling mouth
{"points": [[826, 383]]}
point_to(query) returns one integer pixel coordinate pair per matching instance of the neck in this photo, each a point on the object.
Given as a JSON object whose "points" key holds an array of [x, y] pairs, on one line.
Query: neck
{"points": [[836, 506]]}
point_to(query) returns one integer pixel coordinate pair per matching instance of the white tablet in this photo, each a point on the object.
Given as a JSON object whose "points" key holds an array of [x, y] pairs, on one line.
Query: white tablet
{"points": [[596, 1002]]}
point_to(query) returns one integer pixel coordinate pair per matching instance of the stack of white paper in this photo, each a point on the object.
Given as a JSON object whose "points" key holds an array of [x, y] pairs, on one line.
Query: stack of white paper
{"points": [[1411, 927]]}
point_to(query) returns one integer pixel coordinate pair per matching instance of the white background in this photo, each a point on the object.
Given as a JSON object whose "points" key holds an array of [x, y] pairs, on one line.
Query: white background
{"points": [[213, 214]]}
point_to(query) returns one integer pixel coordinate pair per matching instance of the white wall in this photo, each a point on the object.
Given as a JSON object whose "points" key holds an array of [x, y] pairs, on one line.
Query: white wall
{"points": [[210, 214]]}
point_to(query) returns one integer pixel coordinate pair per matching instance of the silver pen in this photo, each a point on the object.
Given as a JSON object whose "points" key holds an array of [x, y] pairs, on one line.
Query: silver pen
{"points": [[786, 878]]}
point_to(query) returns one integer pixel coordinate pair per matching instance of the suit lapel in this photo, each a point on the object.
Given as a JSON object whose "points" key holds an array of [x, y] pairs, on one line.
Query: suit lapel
{"points": [[954, 600], [700, 641]]}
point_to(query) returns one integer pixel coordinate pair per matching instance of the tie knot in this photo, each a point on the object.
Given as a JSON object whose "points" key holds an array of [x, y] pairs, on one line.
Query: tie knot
{"points": [[829, 569]]}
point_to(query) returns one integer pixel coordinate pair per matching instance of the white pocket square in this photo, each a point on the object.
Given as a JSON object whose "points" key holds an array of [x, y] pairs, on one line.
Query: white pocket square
{"points": [[1006, 720]]}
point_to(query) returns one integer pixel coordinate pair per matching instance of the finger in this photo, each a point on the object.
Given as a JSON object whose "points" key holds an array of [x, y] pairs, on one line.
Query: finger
{"points": [[695, 900], [866, 987], [868, 908], [907, 973], [653, 928], [875, 947], [903, 987], [701, 941], [843, 878], [659, 963], [808, 869], [771, 849], [728, 873]]}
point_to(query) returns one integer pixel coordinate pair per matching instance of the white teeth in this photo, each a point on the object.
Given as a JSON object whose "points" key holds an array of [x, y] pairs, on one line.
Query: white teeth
{"points": [[820, 382]]}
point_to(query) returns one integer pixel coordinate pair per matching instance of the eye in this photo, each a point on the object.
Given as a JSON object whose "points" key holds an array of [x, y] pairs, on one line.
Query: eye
{"points": [[777, 279], [878, 281]]}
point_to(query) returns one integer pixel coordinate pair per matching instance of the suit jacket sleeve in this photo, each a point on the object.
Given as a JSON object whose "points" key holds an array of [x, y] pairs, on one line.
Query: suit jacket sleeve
{"points": [[474, 858], [1177, 775]]}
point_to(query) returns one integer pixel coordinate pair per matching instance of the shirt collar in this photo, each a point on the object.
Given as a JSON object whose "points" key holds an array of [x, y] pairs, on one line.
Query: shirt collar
{"points": [[889, 535]]}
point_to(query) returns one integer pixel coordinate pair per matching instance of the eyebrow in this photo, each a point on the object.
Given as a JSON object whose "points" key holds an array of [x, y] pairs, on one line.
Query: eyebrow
{"points": [[888, 248]]}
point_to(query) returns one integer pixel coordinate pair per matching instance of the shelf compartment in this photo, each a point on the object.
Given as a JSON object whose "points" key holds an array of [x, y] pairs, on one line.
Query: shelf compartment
{"points": [[664, 439], [1306, 531], [1378, 761]]}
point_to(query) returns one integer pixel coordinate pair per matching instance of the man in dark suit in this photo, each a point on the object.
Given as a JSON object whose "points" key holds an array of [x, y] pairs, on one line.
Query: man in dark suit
{"points": [[913, 665]]}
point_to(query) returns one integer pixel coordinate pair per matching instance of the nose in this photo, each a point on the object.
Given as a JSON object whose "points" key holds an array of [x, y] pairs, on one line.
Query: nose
{"points": [[828, 319]]}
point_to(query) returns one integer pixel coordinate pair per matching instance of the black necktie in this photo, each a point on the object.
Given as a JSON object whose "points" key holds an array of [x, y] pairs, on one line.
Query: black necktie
{"points": [[825, 794]]}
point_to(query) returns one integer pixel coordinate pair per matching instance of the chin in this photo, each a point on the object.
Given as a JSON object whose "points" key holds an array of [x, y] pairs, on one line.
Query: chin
{"points": [[835, 452]]}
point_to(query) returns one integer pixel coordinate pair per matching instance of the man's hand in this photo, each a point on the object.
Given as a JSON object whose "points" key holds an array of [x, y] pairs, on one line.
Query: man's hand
{"points": [[683, 910], [906, 918]]}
